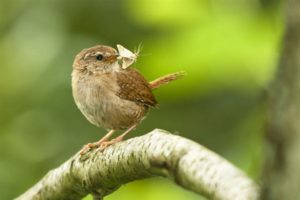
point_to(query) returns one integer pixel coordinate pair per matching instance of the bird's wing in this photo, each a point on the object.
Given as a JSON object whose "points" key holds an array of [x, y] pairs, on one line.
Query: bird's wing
{"points": [[134, 87]]}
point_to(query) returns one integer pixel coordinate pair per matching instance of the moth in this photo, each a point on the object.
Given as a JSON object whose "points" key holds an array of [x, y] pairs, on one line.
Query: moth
{"points": [[126, 57]]}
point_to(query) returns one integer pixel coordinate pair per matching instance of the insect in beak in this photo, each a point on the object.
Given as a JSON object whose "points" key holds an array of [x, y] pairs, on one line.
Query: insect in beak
{"points": [[126, 57]]}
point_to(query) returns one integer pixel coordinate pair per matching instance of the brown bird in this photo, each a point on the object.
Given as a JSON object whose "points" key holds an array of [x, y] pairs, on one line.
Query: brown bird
{"points": [[110, 95]]}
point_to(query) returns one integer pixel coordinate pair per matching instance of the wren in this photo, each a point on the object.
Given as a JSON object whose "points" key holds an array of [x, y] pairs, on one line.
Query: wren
{"points": [[110, 95]]}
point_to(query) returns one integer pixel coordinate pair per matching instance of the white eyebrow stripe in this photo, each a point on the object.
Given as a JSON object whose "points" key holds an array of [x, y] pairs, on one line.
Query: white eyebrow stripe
{"points": [[102, 53], [86, 55]]}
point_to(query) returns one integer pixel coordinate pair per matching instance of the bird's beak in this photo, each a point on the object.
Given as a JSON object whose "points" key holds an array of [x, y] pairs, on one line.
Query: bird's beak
{"points": [[112, 57]]}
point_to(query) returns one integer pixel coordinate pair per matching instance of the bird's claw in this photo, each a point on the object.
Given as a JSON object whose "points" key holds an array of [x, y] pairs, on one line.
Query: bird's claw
{"points": [[86, 148], [101, 145], [106, 144]]}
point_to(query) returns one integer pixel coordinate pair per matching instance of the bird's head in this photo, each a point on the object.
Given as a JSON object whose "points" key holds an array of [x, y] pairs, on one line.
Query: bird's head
{"points": [[97, 59]]}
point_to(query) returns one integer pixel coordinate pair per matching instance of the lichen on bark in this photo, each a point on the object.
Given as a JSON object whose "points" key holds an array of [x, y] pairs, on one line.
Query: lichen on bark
{"points": [[157, 153]]}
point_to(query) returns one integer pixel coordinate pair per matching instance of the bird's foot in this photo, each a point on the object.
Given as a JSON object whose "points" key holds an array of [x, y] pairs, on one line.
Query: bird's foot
{"points": [[86, 148], [106, 144], [101, 144], [90, 146]]}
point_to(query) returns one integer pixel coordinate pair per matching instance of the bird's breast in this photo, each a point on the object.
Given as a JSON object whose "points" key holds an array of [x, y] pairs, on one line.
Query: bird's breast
{"points": [[97, 100]]}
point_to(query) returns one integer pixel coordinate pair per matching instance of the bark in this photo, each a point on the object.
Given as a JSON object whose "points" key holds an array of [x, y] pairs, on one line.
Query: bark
{"points": [[157, 153], [281, 171]]}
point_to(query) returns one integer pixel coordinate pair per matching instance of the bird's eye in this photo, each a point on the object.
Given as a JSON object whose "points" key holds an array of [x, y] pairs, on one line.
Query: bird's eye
{"points": [[99, 57]]}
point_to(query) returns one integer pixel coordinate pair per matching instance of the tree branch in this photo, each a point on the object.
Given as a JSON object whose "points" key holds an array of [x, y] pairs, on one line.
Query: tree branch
{"points": [[281, 178], [157, 153]]}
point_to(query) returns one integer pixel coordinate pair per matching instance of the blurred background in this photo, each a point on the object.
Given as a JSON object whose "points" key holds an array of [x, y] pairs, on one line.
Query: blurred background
{"points": [[229, 49]]}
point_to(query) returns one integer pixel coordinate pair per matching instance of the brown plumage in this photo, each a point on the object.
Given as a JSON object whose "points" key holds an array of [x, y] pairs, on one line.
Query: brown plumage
{"points": [[110, 96], [134, 87]]}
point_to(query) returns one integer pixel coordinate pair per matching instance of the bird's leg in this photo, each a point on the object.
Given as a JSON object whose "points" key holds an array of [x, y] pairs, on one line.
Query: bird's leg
{"points": [[93, 145], [104, 145], [121, 137], [103, 139]]}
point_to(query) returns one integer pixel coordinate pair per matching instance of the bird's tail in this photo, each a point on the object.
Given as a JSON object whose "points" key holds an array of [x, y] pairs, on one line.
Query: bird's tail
{"points": [[166, 79]]}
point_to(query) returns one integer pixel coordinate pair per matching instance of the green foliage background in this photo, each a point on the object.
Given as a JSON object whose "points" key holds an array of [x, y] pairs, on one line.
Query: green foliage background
{"points": [[228, 48]]}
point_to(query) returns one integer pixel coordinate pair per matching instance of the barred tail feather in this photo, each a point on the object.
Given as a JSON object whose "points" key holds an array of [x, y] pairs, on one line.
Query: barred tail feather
{"points": [[166, 79]]}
